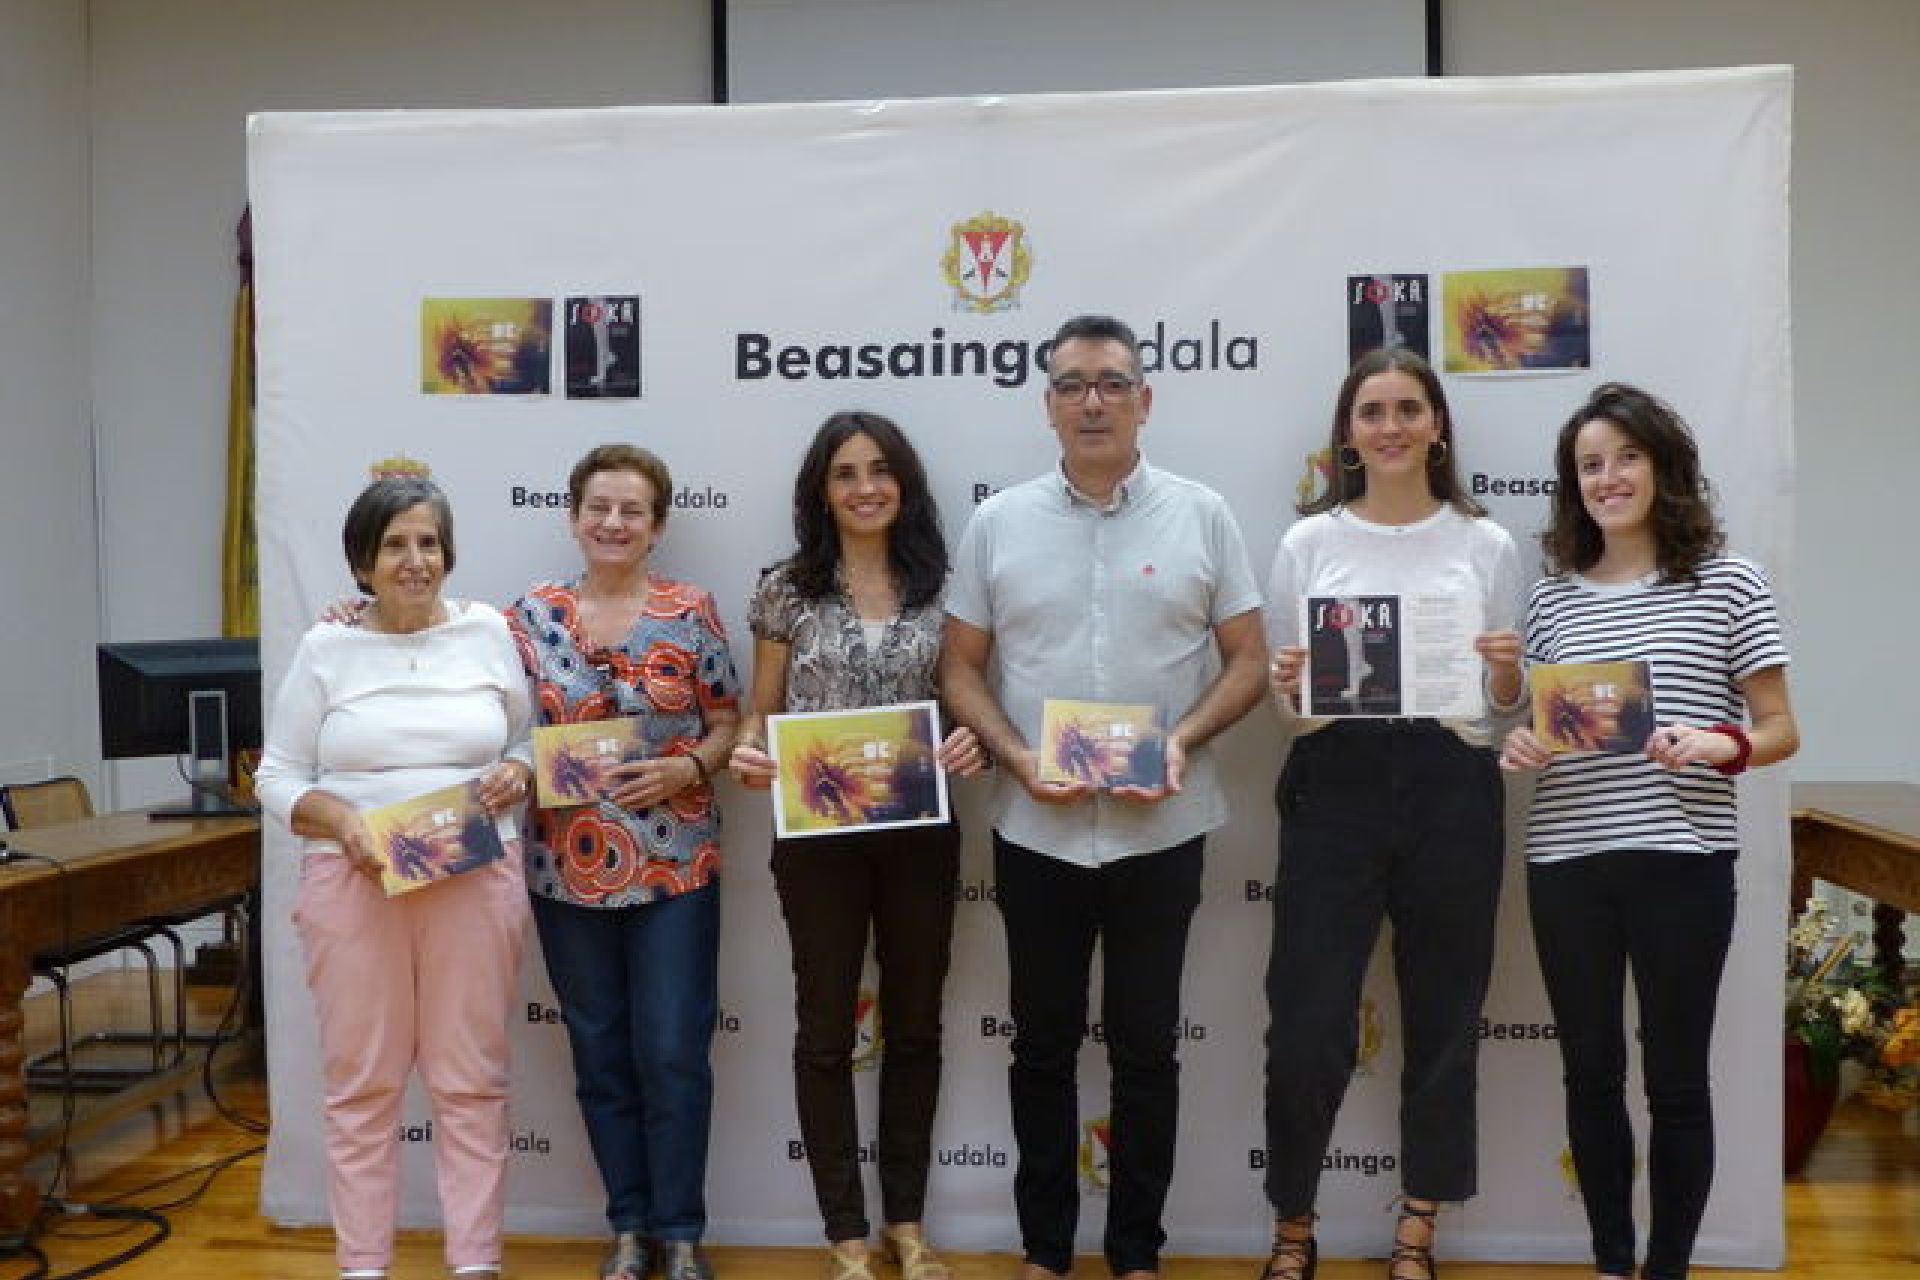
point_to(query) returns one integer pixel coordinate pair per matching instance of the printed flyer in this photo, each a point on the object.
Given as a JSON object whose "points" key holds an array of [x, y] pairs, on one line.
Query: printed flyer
{"points": [[603, 347], [1518, 320], [486, 346], [1386, 311], [1592, 706], [1390, 655], [867, 768], [432, 836], [1103, 744], [572, 762]]}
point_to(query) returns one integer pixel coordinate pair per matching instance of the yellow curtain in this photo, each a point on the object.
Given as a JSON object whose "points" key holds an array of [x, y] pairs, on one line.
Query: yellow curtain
{"points": [[239, 569]]}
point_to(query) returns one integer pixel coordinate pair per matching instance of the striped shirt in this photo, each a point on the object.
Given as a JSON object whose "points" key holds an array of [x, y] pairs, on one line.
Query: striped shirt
{"points": [[1699, 640]]}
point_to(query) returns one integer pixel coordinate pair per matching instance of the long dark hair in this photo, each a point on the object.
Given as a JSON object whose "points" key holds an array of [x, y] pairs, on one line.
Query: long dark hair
{"points": [[1685, 528], [916, 550], [1443, 478]]}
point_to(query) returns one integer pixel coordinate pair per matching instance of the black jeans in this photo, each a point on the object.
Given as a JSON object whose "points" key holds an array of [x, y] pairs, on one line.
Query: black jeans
{"points": [[1139, 909], [1669, 917], [834, 890], [1381, 821]]}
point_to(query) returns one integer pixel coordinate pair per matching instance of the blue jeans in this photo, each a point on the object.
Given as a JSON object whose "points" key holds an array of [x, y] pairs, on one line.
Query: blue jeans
{"points": [[638, 989]]}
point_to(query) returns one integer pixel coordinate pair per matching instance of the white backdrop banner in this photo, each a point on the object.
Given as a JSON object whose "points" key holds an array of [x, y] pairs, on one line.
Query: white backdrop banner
{"points": [[911, 258]]}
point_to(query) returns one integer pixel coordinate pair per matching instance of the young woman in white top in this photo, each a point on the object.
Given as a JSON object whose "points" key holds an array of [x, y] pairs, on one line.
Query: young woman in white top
{"points": [[1385, 818], [1631, 855]]}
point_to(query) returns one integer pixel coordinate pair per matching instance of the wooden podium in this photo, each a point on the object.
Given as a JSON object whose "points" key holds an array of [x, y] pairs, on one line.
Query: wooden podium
{"points": [[111, 870], [1864, 836]]}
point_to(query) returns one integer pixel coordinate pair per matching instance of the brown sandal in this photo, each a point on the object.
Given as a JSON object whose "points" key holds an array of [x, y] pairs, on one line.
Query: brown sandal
{"points": [[1409, 1254], [1296, 1254]]}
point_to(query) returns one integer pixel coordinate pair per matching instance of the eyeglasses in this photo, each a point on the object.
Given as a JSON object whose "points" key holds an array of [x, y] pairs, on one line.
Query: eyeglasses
{"points": [[1111, 386]]}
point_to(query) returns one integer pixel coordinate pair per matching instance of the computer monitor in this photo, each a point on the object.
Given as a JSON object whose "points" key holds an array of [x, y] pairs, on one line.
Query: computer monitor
{"points": [[193, 699]]}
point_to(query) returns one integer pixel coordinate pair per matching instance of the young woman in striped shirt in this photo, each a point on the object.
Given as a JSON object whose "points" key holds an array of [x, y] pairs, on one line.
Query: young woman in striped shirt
{"points": [[1630, 855]]}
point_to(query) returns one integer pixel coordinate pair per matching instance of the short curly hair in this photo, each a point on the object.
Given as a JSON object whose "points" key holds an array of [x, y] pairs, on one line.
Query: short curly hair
{"points": [[623, 457]]}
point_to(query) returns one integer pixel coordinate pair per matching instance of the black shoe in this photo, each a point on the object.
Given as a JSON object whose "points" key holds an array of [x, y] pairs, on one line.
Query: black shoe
{"points": [[683, 1260]]}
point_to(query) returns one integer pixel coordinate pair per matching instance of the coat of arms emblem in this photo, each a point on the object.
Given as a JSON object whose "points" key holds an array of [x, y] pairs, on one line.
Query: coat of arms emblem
{"points": [[986, 262]]}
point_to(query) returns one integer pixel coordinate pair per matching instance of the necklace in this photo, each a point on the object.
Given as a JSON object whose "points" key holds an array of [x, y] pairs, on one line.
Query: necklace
{"points": [[412, 637], [872, 594]]}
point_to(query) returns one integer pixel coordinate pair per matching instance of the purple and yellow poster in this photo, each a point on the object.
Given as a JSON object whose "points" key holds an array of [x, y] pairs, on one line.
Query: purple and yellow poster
{"points": [[862, 769], [1517, 320], [486, 346]]}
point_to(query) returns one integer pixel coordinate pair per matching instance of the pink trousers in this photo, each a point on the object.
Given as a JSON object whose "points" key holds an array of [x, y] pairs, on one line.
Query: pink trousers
{"points": [[426, 979]]}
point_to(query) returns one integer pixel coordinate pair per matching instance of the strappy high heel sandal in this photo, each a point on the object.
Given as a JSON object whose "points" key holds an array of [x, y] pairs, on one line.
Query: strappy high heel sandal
{"points": [[1296, 1254], [913, 1255], [1407, 1254]]}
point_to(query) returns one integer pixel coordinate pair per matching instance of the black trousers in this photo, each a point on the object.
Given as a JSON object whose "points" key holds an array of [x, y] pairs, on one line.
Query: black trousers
{"points": [[1398, 821], [1138, 909], [1667, 917], [835, 891]]}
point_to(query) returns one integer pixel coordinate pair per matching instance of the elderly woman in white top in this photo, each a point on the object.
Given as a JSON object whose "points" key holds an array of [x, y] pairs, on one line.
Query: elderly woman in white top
{"points": [[425, 693]]}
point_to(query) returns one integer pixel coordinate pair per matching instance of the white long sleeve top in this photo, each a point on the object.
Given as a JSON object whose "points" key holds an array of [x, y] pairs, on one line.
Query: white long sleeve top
{"points": [[374, 717]]}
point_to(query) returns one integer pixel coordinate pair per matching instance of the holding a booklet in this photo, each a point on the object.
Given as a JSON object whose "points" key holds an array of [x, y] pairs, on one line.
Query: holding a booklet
{"points": [[424, 698], [846, 644], [637, 702], [1392, 606], [1658, 673]]}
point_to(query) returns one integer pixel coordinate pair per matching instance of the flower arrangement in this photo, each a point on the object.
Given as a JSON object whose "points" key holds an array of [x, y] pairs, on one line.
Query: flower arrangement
{"points": [[1893, 1072], [1842, 1009]]}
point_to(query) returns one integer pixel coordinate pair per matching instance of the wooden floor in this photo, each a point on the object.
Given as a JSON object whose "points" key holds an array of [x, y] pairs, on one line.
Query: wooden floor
{"points": [[1854, 1214]]}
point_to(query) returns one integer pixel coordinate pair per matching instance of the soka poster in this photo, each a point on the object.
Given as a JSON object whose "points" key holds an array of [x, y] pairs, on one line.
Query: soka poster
{"points": [[1391, 655]]}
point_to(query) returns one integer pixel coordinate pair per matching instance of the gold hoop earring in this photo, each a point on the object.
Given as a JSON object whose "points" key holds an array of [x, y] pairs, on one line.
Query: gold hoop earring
{"points": [[1437, 452], [1350, 459]]}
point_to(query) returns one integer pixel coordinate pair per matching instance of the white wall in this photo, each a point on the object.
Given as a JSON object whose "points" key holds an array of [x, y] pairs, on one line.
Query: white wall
{"points": [[821, 50], [172, 83], [159, 90], [48, 561], [1854, 600]]}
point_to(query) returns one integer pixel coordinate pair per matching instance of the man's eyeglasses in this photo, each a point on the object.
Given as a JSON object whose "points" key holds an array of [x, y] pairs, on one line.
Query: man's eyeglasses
{"points": [[1111, 386]]}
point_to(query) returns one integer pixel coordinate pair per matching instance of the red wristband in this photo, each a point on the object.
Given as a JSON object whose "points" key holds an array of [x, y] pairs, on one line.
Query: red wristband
{"points": [[1743, 749]]}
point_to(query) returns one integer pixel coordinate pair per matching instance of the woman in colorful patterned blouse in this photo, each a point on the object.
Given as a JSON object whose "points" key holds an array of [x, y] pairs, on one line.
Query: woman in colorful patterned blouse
{"points": [[853, 619], [625, 888]]}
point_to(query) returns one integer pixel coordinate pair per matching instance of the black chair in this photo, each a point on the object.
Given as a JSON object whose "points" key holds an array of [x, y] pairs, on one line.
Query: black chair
{"points": [[39, 804]]}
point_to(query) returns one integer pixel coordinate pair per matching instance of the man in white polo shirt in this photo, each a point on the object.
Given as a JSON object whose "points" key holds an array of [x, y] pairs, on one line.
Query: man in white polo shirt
{"points": [[1110, 581]]}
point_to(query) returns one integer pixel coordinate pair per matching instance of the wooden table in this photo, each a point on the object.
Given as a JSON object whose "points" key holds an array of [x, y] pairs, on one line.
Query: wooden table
{"points": [[1863, 836], [113, 870]]}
